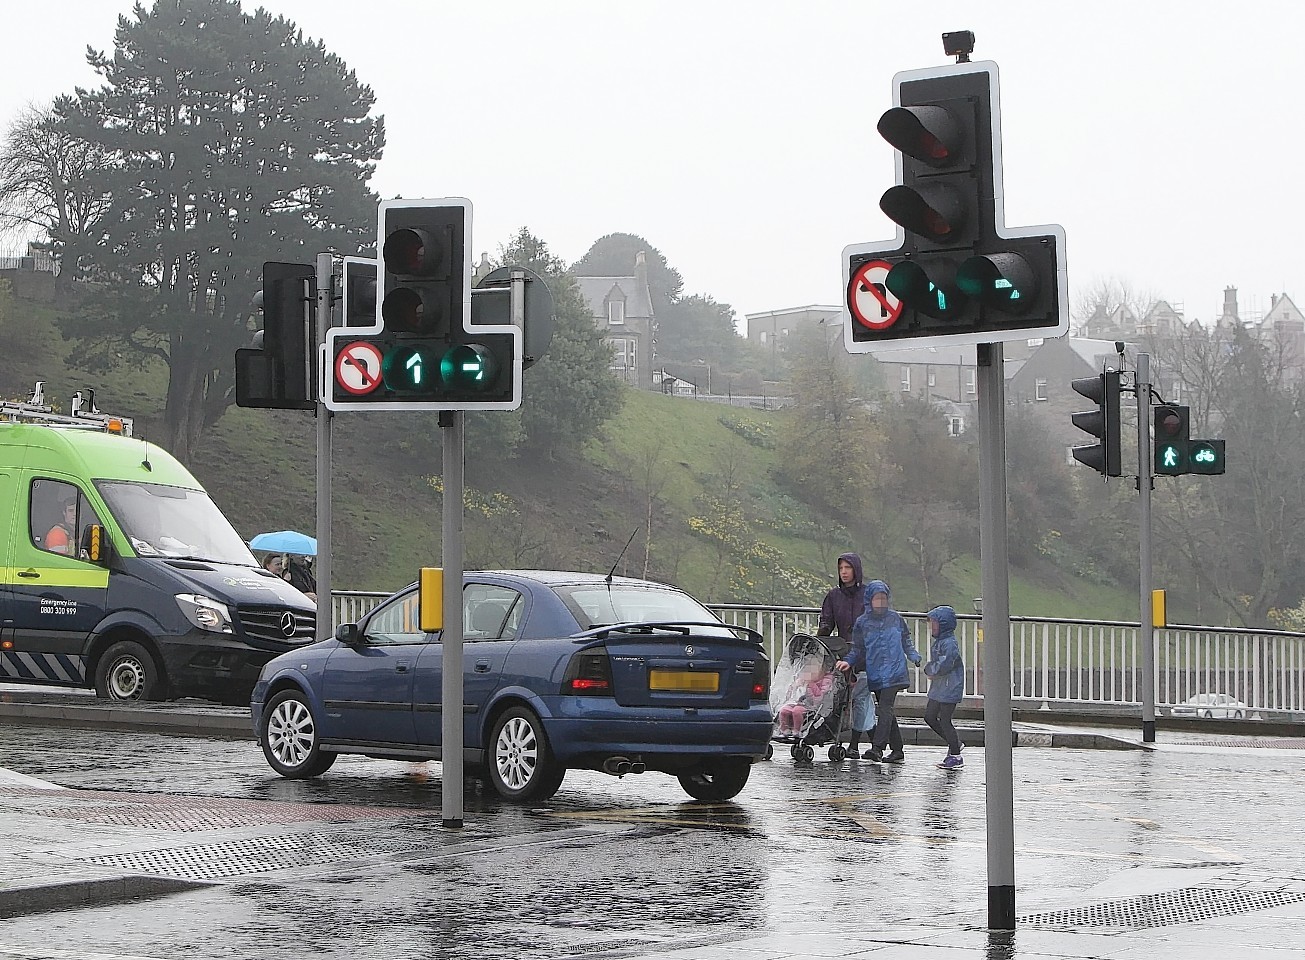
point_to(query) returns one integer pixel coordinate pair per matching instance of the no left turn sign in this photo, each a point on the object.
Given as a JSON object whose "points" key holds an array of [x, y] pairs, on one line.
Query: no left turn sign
{"points": [[868, 298], [358, 368]]}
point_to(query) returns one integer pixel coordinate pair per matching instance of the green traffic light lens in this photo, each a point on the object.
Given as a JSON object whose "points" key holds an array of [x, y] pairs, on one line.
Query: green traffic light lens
{"points": [[468, 366], [408, 370], [910, 283], [1001, 280]]}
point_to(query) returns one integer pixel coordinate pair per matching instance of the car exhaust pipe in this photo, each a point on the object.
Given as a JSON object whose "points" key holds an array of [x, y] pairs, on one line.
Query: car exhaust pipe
{"points": [[616, 766], [637, 766]]}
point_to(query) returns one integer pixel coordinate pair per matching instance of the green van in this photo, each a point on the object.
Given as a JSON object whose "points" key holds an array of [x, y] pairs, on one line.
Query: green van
{"points": [[118, 572]]}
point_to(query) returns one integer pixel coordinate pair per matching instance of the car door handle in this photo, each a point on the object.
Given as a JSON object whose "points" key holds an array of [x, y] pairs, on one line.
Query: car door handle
{"points": [[29, 574], [401, 666], [482, 666]]}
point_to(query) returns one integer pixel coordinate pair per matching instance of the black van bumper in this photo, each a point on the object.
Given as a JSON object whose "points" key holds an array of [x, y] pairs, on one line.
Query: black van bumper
{"points": [[213, 666]]}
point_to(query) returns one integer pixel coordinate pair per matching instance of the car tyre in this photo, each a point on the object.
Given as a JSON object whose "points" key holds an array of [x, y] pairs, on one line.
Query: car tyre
{"points": [[128, 672], [1208, 715], [717, 780], [289, 737], [1237, 714], [520, 764]]}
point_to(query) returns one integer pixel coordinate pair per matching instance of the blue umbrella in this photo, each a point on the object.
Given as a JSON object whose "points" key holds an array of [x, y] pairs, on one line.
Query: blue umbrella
{"points": [[285, 541]]}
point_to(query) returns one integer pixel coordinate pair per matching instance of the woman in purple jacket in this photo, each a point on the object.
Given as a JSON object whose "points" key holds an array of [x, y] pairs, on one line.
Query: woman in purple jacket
{"points": [[838, 614]]}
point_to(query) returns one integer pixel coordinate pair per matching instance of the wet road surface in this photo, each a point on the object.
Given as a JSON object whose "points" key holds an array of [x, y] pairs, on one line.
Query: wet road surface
{"points": [[612, 867]]}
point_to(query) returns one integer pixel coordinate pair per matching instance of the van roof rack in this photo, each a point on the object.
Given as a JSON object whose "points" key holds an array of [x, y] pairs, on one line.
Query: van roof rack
{"points": [[84, 415]]}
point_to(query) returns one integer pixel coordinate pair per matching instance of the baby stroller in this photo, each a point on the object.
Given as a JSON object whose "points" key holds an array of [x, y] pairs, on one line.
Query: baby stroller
{"points": [[810, 700]]}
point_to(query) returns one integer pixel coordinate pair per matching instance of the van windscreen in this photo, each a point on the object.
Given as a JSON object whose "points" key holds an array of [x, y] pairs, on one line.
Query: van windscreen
{"points": [[163, 521]]}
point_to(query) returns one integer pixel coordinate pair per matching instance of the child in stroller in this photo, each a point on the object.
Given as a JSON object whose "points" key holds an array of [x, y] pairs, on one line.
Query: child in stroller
{"points": [[810, 699]]}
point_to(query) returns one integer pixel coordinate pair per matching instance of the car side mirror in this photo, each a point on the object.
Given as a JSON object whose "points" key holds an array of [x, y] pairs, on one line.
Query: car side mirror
{"points": [[348, 634], [95, 545]]}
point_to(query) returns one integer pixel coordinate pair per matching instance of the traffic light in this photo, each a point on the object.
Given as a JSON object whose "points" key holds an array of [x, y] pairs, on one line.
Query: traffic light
{"points": [[1205, 456], [1172, 423], [420, 350], [358, 292], [955, 274], [1176, 453], [1103, 423], [280, 373]]}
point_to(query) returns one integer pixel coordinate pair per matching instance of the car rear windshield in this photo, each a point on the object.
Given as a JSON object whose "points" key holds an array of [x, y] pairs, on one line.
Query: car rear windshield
{"points": [[600, 605]]}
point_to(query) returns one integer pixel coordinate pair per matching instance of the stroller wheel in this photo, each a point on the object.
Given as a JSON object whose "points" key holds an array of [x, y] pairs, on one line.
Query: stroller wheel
{"points": [[808, 753], [795, 751], [770, 751], [837, 753]]}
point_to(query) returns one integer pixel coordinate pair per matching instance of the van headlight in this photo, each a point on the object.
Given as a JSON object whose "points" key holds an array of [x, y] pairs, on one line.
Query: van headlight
{"points": [[205, 613]]}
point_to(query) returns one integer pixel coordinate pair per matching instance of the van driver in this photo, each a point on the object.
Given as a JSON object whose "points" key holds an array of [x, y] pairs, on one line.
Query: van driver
{"points": [[60, 537]]}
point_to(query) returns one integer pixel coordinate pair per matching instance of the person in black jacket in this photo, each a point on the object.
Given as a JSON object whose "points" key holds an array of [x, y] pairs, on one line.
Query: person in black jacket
{"points": [[300, 576], [838, 613]]}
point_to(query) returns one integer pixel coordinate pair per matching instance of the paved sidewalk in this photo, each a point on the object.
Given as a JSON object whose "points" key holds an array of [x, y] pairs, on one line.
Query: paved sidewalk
{"points": [[49, 862]]}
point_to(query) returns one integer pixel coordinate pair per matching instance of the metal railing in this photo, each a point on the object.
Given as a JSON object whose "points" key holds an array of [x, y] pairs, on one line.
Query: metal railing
{"points": [[1086, 662]]}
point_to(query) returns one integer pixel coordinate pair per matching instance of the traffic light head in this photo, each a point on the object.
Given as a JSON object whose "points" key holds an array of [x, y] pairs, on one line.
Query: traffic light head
{"points": [[359, 292], [955, 274], [1172, 423], [279, 371], [423, 352], [1102, 423]]}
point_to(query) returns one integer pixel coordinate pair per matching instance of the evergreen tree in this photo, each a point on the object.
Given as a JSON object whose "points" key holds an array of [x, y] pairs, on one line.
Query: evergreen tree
{"points": [[229, 140]]}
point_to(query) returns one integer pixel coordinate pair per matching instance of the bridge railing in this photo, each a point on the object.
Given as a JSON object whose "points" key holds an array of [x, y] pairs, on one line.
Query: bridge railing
{"points": [[1088, 662]]}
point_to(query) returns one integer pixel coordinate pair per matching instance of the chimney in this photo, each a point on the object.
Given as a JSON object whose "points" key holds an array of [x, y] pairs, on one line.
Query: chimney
{"points": [[641, 269], [1229, 303], [1273, 300]]}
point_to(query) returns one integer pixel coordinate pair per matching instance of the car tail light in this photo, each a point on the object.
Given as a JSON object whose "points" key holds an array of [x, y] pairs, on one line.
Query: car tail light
{"points": [[761, 680], [589, 674]]}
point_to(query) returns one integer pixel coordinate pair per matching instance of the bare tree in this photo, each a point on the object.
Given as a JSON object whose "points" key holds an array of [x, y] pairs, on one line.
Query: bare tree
{"points": [[1105, 295], [47, 191]]}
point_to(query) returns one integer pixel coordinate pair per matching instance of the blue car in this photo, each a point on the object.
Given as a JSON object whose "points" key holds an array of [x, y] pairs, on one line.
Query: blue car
{"points": [[561, 671]]}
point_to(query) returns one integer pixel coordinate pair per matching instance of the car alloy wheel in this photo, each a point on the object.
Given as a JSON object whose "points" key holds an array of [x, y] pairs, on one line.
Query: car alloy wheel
{"points": [[719, 780], [289, 738], [521, 766]]}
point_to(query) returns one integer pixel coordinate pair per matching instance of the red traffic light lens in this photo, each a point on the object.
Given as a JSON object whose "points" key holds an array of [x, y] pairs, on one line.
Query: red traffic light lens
{"points": [[929, 134], [411, 252]]}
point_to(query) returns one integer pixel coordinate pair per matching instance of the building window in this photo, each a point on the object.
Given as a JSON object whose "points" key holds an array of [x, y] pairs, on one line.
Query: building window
{"points": [[906, 379], [933, 380], [616, 312], [623, 354], [955, 426], [1040, 389], [971, 381]]}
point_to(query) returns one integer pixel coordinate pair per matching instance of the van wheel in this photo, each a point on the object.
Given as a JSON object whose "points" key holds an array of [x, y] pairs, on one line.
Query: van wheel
{"points": [[128, 672]]}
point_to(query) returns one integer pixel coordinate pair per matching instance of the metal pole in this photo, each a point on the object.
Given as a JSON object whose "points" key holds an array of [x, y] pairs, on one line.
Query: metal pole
{"points": [[997, 734], [325, 279], [452, 785], [1146, 635]]}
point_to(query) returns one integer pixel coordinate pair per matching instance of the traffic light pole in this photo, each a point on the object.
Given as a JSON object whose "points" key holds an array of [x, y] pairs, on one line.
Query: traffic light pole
{"points": [[998, 739], [451, 683], [325, 277], [1146, 634]]}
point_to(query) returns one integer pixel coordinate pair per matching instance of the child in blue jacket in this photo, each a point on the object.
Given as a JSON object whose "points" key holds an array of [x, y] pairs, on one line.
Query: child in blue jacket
{"points": [[946, 673], [882, 646]]}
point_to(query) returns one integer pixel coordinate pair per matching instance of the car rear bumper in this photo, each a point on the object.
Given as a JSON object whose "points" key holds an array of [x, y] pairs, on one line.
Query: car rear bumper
{"points": [[707, 733]]}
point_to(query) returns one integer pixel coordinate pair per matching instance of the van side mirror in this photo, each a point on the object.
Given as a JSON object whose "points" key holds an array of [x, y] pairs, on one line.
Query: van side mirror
{"points": [[347, 633], [95, 545]]}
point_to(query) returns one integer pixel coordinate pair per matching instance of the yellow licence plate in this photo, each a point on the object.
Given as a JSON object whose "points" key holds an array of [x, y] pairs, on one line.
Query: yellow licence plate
{"points": [[689, 681]]}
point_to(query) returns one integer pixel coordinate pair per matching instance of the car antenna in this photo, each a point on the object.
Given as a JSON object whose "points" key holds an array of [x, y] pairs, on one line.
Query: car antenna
{"points": [[622, 553]]}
